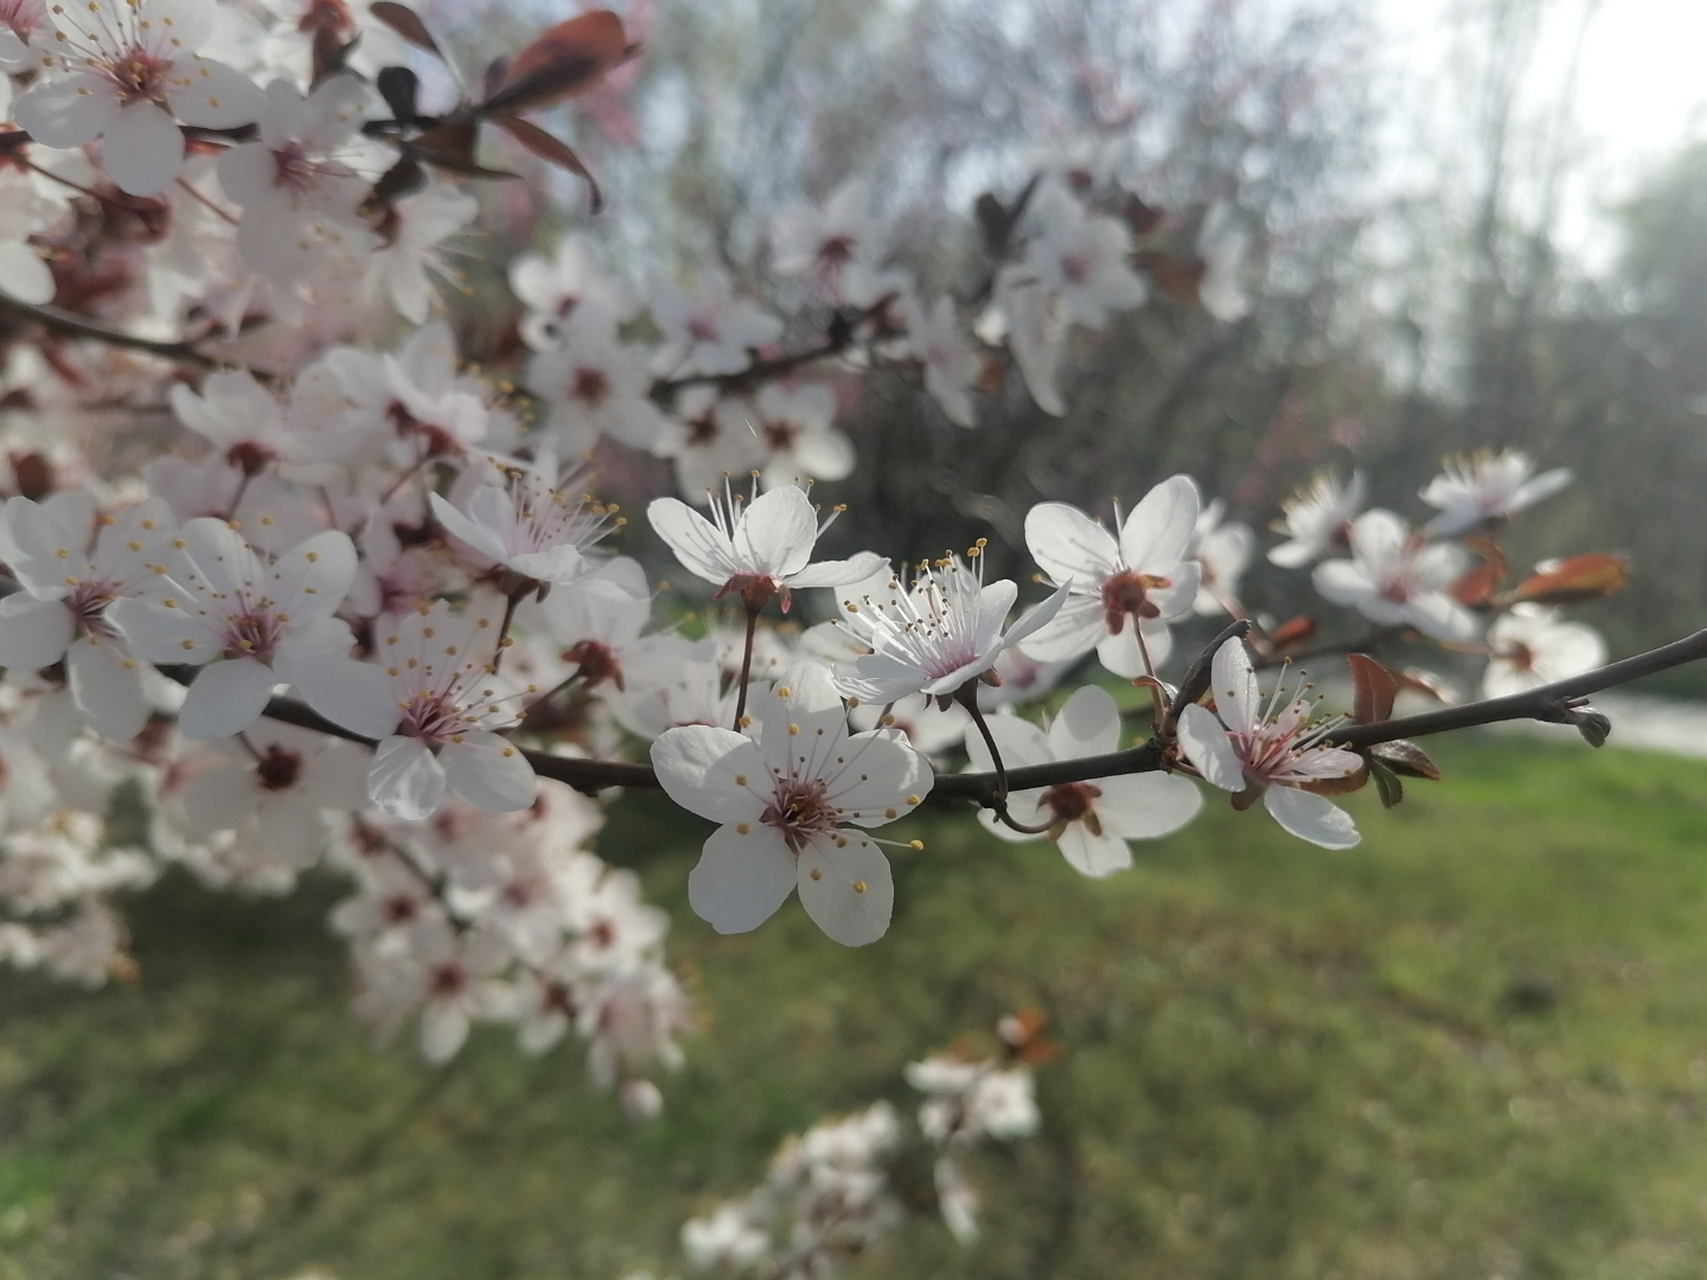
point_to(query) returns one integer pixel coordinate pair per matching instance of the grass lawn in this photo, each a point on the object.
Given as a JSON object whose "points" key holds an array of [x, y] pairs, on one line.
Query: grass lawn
{"points": [[1476, 1046]]}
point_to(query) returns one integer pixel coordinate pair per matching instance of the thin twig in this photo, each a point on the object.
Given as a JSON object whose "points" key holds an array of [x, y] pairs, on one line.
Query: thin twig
{"points": [[75, 326]]}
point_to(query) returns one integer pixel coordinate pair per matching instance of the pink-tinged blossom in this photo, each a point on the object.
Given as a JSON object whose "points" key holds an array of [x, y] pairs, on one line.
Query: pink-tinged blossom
{"points": [[1317, 519], [275, 791], [600, 628], [240, 417], [1025, 315], [247, 622], [298, 191], [1121, 593], [1247, 746], [1090, 822], [129, 71], [414, 234], [791, 804], [558, 290], [796, 427], [535, 526], [836, 241], [1532, 646], [1487, 486], [1396, 579], [712, 332], [951, 365], [709, 438], [73, 565], [595, 386], [25, 210], [755, 549], [1222, 552], [433, 704], [947, 628], [1082, 259]]}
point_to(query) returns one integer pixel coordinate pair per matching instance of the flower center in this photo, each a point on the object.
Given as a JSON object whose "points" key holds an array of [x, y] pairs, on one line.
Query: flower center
{"points": [[591, 386], [1070, 801], [432, 717], [278, 769], [595, 664], [799, 810], [138, 74], [252, 635], [88, 603], [1126, 594]]}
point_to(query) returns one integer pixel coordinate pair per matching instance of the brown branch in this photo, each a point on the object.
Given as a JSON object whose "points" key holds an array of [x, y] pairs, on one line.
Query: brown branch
{"points": [[1550, 704], [842, 333], [75, 326]]}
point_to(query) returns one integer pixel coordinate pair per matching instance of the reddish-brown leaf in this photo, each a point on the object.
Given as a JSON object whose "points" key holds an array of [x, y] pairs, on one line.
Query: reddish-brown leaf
{"points": [[1426, 683], [1387, 784], [1477, 585], [1585, 577], [546, 147], [566, 60], [1407, 759], [1373, 689], [1293, 632], [1142, 218], [406, 23]]}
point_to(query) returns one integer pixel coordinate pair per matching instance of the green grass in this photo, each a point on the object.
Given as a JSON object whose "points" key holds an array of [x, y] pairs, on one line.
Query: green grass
{"points": [[1476, 1046]]}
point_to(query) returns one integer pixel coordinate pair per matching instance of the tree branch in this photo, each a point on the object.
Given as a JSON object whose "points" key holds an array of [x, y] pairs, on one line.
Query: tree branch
{"points": [[75, 326], [1548, 703]]}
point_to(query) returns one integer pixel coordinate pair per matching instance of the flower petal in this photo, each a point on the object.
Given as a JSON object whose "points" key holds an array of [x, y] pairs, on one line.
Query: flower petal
{"points": [[1069, 545], [740, 880], [107, 687], [406, 780], [1155, 536], [226, 698], [712, 772], [1088, 725], [776, 533], [1204, 740], [1093, 855], [353, 695], [698, 544], [1311, 817], [33, 633], [847, 888], [1142, 806], [144, 150], [489, 773]]}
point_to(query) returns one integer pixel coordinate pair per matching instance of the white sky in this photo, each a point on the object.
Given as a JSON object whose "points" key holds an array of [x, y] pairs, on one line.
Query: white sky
{"points": [[1641, 86]]}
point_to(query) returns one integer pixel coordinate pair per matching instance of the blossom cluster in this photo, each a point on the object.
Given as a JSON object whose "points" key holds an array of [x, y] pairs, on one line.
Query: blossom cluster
{"points": [[828, 1195], [354, 601]]}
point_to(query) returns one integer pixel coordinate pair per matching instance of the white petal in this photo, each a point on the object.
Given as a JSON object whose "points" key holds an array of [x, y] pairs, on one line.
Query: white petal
{"points": [[1155, 536], [406, 780], [883, 779], [740, 880], [353, 695], [777, 531], [489, 773], [310, 581], [1093, 855], [107, 687], [23, 274], [847, 889], [839, 573], [1088, 725], [1069, 545], [444, 1028], [1234, 684], [1205, 743], [702, 549], [710, 771], [1076, 627], [220, 800], [1311, 817], [1036, 617], [144, 150], [1142, 806], [217, 97], [226, 698], [482, 539], [158, 634], [33, 633], [60, 113]]}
